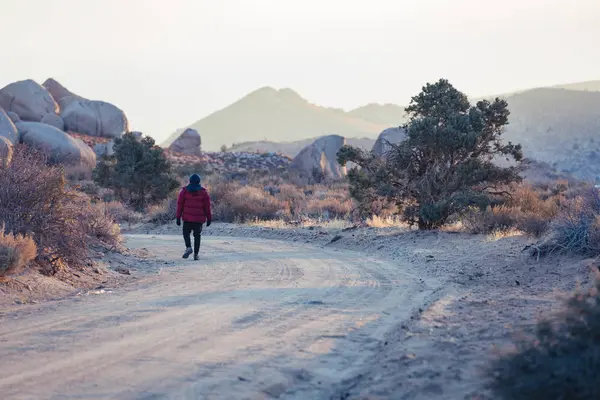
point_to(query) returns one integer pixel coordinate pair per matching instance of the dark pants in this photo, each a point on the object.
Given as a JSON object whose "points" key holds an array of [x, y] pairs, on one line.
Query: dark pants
{"points": [[196, 227]]}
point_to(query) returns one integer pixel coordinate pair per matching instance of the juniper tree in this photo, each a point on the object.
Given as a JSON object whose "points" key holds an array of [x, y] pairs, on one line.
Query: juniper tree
{"points": [[447, 161], [139, 171]]}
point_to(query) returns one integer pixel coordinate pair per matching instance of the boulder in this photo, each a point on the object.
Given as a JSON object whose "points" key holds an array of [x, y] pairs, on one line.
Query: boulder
{"points": [[57, 144], [8, 130], [29, 100], [58, 91], [54, 120], [321, 156], [390, 135], [189, 142], [93, 118], [13, 117], [6, 151], [105, 149]]}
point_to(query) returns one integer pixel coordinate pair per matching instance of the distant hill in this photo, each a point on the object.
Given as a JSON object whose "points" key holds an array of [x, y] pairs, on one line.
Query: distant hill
{"points": [[389, 115], [274, 115], [291, 149], [589, 86], [560, 127]]}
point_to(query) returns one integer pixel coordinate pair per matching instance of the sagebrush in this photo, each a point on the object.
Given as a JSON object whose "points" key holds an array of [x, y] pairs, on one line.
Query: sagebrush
{"points": [[561, 361], [36, 201]]}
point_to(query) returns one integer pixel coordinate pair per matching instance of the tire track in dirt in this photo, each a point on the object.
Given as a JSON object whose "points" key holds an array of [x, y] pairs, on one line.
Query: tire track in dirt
{"points": [[252, 319]]}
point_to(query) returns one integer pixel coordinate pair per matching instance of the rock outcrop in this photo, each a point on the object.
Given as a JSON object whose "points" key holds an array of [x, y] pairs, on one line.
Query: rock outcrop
{"points": [[8, 130], [93, 118], [54, 120], [57, 144], [321, 156], [390, 135], [29, 100], [189, 142], [89, 117], [58, 91], [6, 151]]}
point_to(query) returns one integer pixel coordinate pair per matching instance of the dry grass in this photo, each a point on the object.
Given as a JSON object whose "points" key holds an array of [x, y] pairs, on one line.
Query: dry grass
{"points": [[333, 224], [16, 252], [376, 221], [576, 230]]}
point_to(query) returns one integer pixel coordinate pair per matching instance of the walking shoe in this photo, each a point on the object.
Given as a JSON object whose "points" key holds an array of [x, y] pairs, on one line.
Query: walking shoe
{"points": [[187, 253], [196, 257]]}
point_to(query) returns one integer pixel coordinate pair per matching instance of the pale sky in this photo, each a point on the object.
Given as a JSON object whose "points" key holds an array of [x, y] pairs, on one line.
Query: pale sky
{"points": [[170, 63]]}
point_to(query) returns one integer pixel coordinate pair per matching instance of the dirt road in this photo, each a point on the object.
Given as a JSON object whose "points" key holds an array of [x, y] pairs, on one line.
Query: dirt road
{"points": [[253, 319]]}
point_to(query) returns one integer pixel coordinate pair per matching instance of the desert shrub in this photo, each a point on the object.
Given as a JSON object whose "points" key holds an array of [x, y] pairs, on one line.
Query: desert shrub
{"points": [[16, 251], [562, 360], [78, 173], [35, 201], [139, 172], [526, 209], [234, 202], [576, 229], [121, 214], [329, 208], [492, 219], [445, 164], [101, 228], [164, 212]]}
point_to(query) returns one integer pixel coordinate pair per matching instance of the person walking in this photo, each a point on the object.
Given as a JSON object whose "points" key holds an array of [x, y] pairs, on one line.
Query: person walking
{"points": [[193, 207]]}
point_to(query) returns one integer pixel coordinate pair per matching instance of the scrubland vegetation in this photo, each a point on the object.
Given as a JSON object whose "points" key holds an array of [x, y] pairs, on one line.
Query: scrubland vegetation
{"points": [[443, 174]]}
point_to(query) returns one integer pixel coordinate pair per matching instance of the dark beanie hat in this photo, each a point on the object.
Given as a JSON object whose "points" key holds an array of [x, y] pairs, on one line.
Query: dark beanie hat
{"points": [[195, 179]]}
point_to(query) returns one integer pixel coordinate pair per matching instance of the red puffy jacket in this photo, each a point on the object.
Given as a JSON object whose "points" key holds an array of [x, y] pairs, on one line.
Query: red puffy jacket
{"points": [[193, 206]]}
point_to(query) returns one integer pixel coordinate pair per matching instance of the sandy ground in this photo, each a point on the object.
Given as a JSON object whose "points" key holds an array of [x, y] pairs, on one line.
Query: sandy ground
{"points": [[253, 319], [314, 314]]}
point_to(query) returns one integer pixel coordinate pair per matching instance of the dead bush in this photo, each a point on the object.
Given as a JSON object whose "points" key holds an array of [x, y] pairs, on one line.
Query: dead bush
{"points": [[36, 202], [16, 252], [576, 229], [329, 208], [234, 202], [164, 212], [120, 213], [101, 227], [560, 362], [493, 219]]}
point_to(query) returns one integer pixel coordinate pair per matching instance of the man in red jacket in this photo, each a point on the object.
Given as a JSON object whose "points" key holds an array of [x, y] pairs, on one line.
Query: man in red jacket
{"points": [[193, 206]]}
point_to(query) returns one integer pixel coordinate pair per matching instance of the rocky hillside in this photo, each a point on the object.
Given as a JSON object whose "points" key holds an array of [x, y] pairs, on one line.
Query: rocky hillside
{"points": [[292, 149], [42, 116], [233, 163], [277, 115], [560, 127]]}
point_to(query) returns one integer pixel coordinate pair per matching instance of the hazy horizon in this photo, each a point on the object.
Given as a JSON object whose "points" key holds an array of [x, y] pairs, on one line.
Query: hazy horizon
{"points": [[169, 65]]}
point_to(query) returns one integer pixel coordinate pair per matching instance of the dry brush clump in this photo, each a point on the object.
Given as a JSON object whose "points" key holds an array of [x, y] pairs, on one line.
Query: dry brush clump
{"points": [[576, 228], [275, 199], [561, 361], [233, 202], [16, 252], [36, 201], [526, 208]]}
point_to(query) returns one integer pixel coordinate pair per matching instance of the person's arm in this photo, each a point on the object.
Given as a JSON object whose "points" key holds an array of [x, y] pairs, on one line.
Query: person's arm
{"points": [[180, 203], [207, 211]]}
